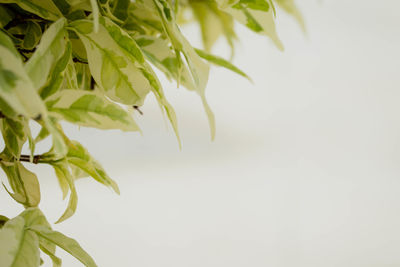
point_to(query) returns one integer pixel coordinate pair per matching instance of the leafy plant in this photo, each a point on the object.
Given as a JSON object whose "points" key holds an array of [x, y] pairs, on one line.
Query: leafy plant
{"points": [[88, 62]]}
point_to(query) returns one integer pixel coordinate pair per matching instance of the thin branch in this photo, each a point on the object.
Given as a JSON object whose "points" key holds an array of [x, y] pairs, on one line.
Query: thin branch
{"points": [[27, 158], [137, 108]]}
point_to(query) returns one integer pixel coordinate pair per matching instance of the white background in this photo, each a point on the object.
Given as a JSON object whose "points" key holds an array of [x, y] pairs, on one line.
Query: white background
{"points": [[304, 170]]}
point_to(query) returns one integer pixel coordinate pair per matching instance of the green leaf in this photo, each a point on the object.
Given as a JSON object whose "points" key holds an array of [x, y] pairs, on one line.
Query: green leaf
{"points": [[89, 109], [63, 174], [15, 133], [213, 23], [257, 15], [43, 8], [59, 148], [199, 70], [132, 50], [47, 53], [57, 74], [16, 89], [163, 57], [219, 61], [116, 74], [35, 217], [66, 243], [120, 9], [23, 182], [80, 158], [56, 260], [18, 245], [32, 35]]}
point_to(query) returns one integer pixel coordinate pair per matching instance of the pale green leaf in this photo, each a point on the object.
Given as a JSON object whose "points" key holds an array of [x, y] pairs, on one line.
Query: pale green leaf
{"points": [[132, 50], [15, 133], [59, 148], [80, 157], [116, 74], [213, 23], [63, 174], [257, 15], [16, 89], [66, 243], [163, 57], [47, 53], [90, 109], [219, 61], [35, 217], [23, 182], [19, 247], [199, 70], [57, 74], [57, 262]]}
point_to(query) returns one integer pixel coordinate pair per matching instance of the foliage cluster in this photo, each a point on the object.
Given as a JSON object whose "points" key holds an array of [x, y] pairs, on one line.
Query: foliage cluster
{"points": [[88, 62]]}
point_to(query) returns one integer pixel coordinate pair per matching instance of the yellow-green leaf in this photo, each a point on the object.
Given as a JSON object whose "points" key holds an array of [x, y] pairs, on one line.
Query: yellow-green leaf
{"points": [[19, 246], [90, 109], [66, 243]]}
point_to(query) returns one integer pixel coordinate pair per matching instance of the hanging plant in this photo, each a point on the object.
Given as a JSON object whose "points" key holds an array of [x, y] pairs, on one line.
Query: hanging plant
{"points": [[88, 62]]}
